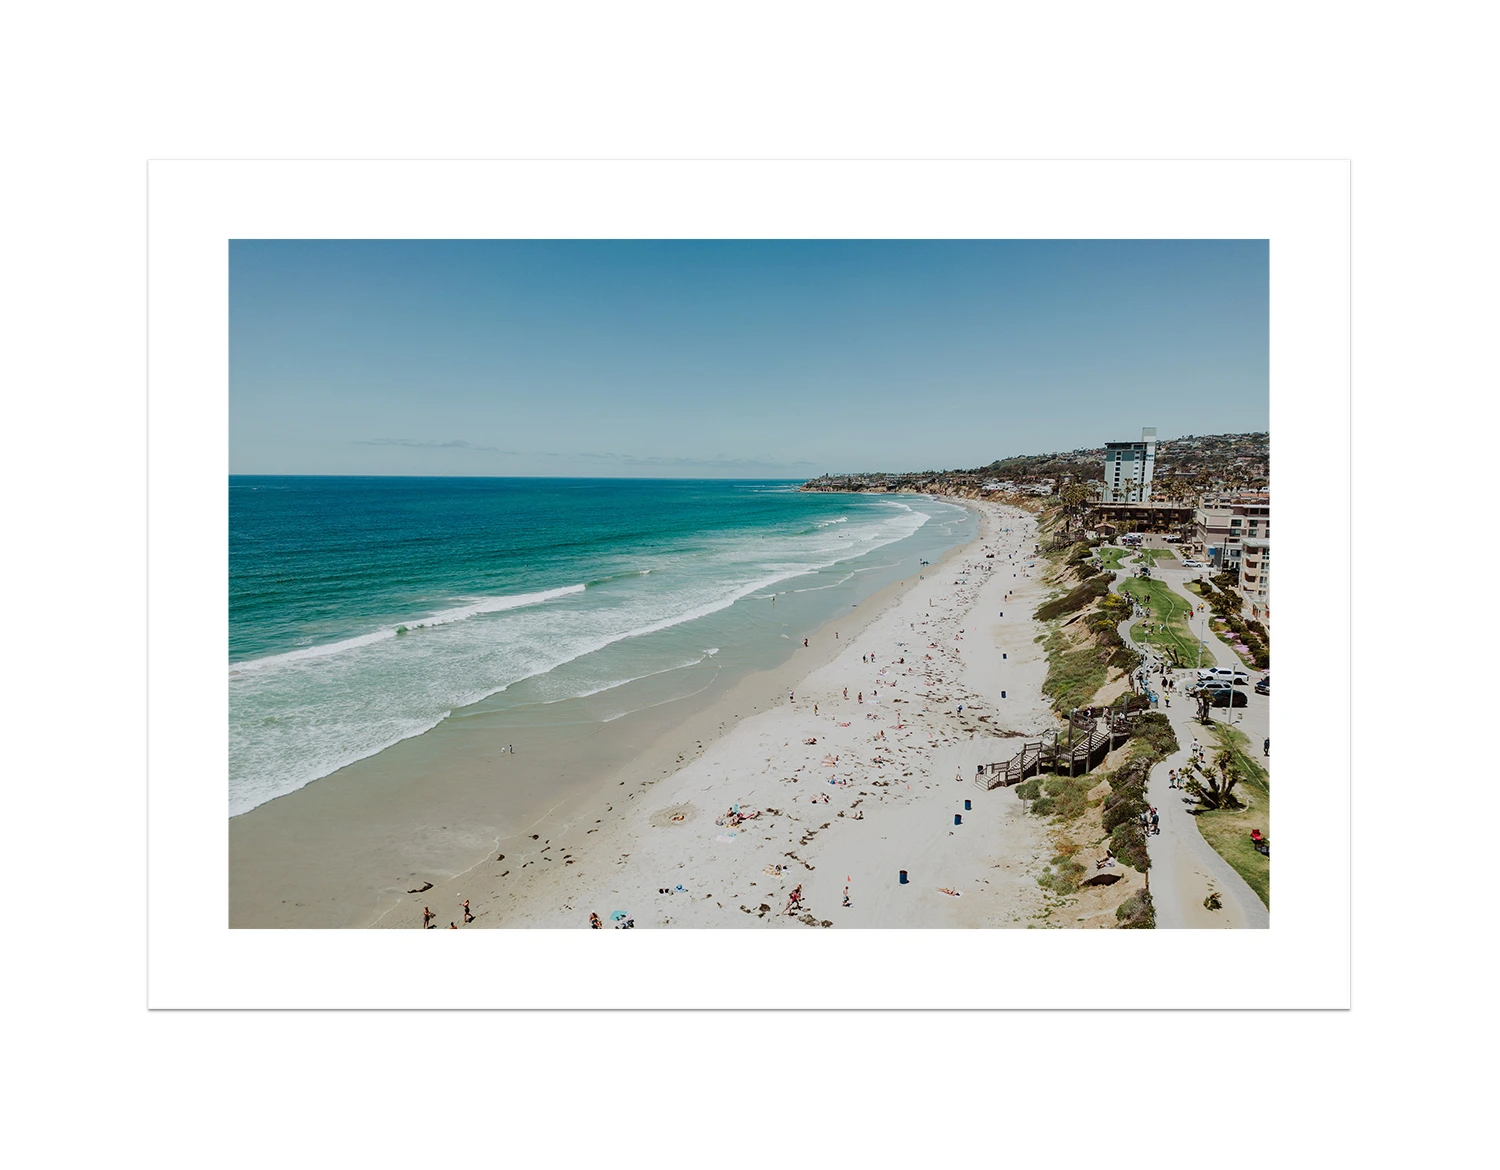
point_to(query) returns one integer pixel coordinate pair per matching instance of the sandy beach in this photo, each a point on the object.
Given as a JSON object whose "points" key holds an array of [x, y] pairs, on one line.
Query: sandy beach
{"points": [[808, 788]]}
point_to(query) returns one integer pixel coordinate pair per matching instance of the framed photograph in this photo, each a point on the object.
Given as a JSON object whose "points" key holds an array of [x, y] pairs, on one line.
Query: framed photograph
{"points": [[759, 561]]}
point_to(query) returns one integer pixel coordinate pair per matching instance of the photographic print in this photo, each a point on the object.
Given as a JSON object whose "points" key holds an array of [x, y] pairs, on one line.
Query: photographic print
{"points": [[749, 584]]}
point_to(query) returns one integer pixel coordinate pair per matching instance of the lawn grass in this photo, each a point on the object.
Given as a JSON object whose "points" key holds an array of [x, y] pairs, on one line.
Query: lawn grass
{"points": [[1149, 556], [1228, 831], [1110, 557], [1169, 609]]}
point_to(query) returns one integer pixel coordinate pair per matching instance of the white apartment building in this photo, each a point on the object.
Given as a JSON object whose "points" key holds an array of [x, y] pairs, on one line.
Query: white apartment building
{"points": [[1127, 469]]}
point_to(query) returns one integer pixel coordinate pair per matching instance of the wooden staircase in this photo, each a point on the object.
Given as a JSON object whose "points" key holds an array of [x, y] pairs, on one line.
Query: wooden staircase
{"points": [[1092, 740]]}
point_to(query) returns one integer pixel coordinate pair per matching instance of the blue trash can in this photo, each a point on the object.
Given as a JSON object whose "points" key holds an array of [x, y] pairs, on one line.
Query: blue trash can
{"points": [[968, 804], [903, 877], [1002, 694], [958, 819]]}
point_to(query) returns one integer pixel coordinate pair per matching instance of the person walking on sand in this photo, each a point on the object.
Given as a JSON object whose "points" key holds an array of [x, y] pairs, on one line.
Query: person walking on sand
{"points": [[846, 692], [427, 917], [468, 917], [846, 897], [794, 900], [452, 925]]}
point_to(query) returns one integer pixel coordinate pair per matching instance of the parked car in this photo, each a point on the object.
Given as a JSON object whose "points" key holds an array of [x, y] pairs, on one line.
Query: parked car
{"points": [[1213, 684], [1226, 673], [1264, 686], [1222, 697], [1192, 564]]}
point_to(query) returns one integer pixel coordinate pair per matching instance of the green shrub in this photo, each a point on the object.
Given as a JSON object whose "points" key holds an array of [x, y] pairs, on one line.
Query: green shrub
{"points": [[1064, 879], [1155, 729], [1127, 841], [1029, 789], [1137, 912], [1126, 810], [1075, 599], [1066, 797]]}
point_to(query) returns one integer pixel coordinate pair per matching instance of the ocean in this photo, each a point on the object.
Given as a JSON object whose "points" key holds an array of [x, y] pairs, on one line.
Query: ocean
{"points": [[364, 611]]}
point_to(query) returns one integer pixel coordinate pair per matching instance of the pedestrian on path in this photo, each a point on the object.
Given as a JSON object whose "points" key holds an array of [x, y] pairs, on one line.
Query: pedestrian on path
{"points": [[1155, 822]]}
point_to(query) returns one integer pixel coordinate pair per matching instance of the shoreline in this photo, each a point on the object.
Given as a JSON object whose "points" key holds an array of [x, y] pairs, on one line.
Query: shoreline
{"points": [[895, 810], [346, 849]]}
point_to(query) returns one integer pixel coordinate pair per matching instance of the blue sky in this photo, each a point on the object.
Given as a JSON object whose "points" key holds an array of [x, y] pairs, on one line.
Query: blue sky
{"points": [[749, 358]]}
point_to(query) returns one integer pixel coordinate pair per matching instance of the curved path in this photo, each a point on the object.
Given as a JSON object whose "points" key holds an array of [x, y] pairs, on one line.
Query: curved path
{"points": [[1184, 867]]}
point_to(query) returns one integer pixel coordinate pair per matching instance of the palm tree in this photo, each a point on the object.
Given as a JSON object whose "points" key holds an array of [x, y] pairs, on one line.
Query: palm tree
{"points": [[1218, 791]]}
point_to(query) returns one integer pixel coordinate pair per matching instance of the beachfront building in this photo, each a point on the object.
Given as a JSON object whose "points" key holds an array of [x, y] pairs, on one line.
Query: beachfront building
{"points": [[1110, 519], [1222, 526], [1255, 579], [1127, 469]]}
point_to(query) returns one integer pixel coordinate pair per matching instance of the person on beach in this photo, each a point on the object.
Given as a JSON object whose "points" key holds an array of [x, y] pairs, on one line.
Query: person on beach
{"points": [[1155, 822], [846, 692], [452, 925], [861, 696], [804, 641], [468, 918], [794, 900], [846, 897], [595, 922], [427, 917]]}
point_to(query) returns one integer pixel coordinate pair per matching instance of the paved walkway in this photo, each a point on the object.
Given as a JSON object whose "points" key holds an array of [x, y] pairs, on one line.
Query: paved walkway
{"points": [[1184, 867]]}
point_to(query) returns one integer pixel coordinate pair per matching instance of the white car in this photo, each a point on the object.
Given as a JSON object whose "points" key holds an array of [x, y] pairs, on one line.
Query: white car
{"points": [[1194, 565], [1223, 674]]}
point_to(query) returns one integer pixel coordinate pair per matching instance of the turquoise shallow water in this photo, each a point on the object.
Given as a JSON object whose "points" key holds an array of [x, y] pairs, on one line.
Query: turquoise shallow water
{"points": [[365, 611]]}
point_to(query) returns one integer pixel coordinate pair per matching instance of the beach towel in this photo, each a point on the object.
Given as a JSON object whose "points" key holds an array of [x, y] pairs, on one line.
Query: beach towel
{"points": [[726, 836], [617, 915]]}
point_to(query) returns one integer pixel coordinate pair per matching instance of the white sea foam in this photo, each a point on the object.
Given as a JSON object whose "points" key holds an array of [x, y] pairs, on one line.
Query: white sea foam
{"points": [[441, 618]]}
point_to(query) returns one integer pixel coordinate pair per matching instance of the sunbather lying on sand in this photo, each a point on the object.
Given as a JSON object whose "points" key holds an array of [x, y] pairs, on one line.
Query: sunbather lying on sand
{"points": [[950, 893]]}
